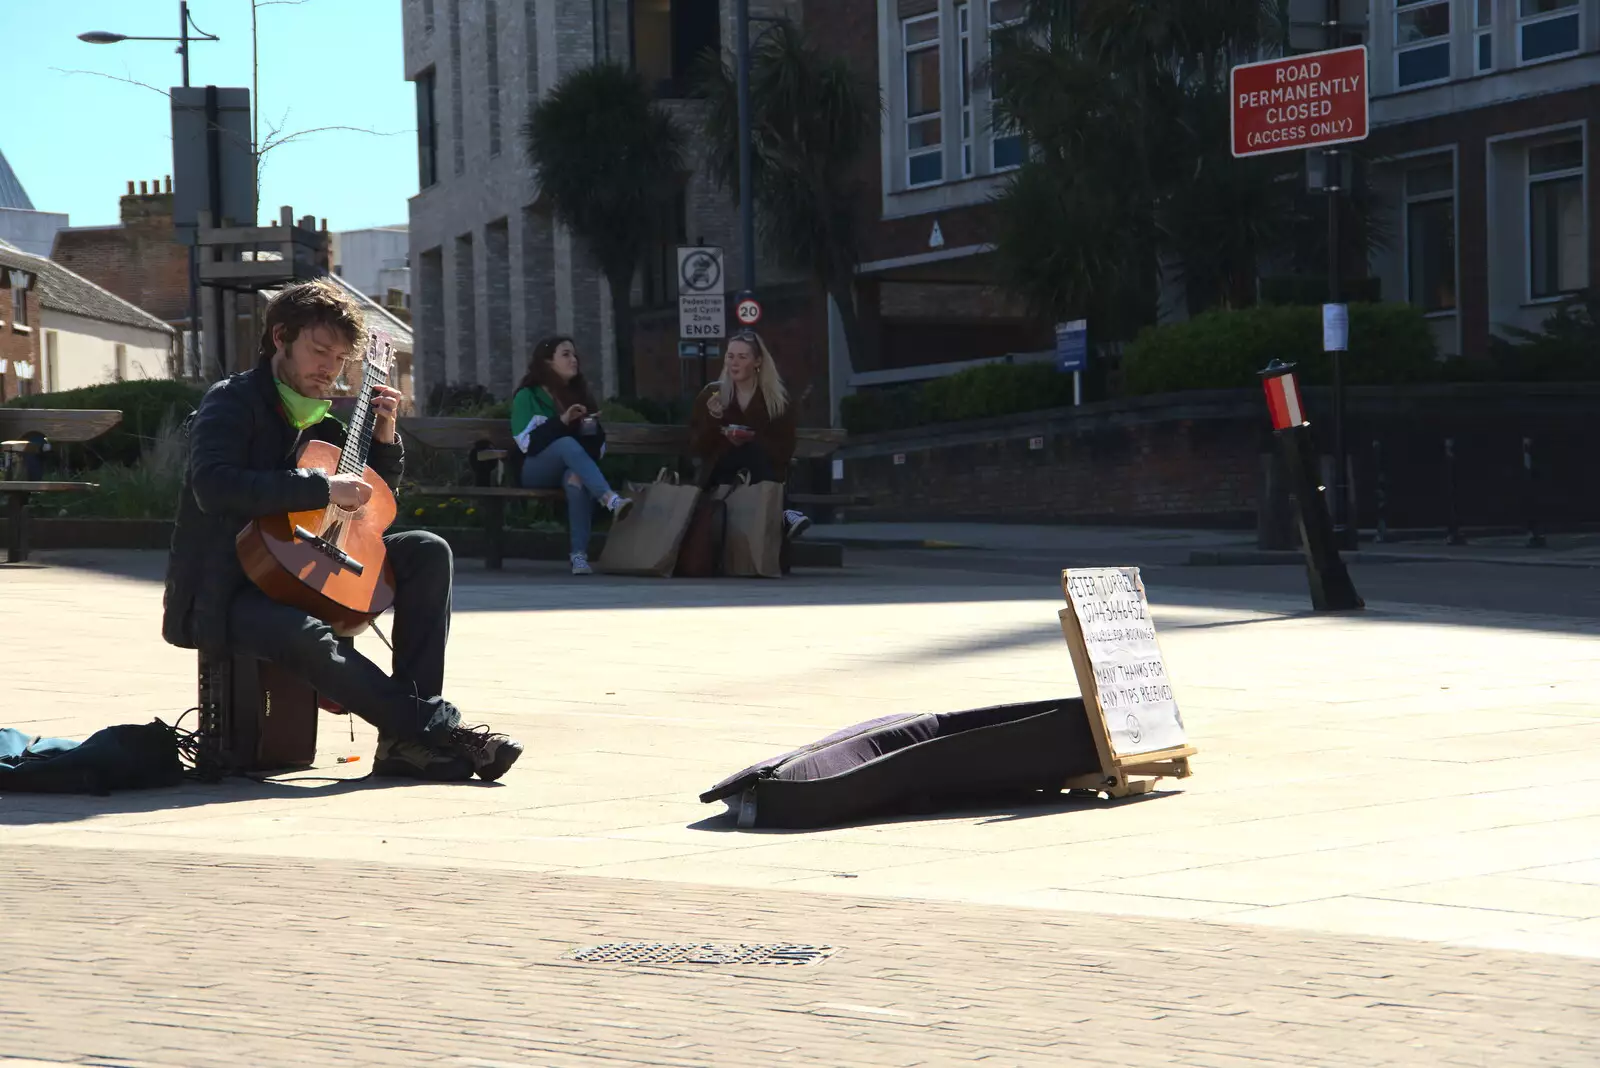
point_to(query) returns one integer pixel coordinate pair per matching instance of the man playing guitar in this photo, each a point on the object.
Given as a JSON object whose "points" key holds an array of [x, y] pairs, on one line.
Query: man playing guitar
{"points": [[243, 442]]}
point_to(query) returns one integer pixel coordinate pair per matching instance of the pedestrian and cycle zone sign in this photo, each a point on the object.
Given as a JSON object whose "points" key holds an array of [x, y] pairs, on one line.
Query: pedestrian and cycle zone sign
{"points": [[702, 298]]}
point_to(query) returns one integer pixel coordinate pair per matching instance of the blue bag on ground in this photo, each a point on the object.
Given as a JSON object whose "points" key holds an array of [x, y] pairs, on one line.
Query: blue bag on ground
{"points": [[127, 757]]}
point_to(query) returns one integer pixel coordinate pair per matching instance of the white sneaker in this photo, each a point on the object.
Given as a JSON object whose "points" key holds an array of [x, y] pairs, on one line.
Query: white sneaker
{"points": [[618, 506], [795, 524], [580, 564]]}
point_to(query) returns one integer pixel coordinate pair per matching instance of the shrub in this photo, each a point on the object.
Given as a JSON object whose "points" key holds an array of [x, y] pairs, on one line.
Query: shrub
{"points": [[149, 489], [1389, 344], [1565, 348], [977, 393], [147, 405]]}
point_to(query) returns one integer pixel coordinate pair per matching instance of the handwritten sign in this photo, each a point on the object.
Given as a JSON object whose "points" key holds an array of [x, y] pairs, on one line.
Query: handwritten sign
{"points": [[1118, 660]]}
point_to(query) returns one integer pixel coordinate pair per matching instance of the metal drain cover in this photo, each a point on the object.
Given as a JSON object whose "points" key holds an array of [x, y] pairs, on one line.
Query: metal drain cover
{"points": [[784, 953]]}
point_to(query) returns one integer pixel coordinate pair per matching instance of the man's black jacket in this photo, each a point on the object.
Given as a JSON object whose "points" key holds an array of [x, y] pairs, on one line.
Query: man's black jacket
{"points": [[241, 465]]}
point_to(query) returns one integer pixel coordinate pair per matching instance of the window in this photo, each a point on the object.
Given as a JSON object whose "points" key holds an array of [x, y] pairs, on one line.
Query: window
{"points": [[1557, 262], [491, 43], [1006, 149], [924, 102], [427, 131], [1483, 36], [1421, 42], [964, 28], [1430, 217], [19, 301], [427, 16], [1546, 29], [52, 361], [457, 124]]}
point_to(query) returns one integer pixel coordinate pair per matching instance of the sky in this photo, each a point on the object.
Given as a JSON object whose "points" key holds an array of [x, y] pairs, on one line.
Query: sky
{"points": [[75, 140]]}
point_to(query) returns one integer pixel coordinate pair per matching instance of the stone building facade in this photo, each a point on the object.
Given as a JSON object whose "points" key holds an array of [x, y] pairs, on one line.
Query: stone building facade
{"points": [[491, 270]]}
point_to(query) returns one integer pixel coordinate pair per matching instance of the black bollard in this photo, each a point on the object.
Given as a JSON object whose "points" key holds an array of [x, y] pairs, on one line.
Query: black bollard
{"points": [[1453, 535], [1331, 588], [1380, 491], [1531, 487]]}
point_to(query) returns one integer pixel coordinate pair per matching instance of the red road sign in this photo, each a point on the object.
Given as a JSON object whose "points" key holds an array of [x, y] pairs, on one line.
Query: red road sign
{"points": [[748, 311], [1300, 102]]}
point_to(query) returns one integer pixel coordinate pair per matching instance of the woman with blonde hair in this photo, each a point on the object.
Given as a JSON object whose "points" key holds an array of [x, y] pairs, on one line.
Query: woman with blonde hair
{"points": [[743, 422]]}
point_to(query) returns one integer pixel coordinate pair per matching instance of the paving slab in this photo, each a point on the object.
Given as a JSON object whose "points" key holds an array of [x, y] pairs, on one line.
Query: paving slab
{"points": [[1412, 773]]}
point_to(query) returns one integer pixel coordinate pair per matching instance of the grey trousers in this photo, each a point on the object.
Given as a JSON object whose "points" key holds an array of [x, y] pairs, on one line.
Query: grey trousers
{"points": [[400, 705]]}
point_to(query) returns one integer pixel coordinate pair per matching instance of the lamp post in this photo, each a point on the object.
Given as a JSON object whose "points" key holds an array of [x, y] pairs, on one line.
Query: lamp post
{"points": [[747, 214], [1344, 526], [747, 219], [185, 23]]}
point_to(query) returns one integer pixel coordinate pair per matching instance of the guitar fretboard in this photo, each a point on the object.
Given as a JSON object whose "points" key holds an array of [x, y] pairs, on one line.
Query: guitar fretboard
{"points": [[358, 438]]}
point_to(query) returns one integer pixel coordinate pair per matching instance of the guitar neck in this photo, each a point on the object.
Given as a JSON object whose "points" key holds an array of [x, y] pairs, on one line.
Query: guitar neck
{"points": [[358, 438]]}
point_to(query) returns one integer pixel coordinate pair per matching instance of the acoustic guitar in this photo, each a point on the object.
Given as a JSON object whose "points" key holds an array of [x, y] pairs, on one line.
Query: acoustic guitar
{"points": [[331, 563]]}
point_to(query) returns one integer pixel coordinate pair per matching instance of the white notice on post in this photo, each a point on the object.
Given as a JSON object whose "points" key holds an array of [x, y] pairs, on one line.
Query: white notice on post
{"points": [[1335, 328], [1130, 679]]}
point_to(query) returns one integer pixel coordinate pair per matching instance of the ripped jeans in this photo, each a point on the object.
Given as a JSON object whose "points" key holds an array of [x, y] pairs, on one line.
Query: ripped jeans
{"points": [[564, 463]]}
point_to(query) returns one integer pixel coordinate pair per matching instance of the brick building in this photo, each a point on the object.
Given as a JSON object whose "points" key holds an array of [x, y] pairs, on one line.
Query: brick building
{"points": [[137, 260], [62, 331], [1482, 113], [20, 338]]}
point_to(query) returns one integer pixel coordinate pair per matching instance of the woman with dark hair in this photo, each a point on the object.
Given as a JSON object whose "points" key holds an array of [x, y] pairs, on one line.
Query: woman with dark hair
{"points": [[556, 422]]}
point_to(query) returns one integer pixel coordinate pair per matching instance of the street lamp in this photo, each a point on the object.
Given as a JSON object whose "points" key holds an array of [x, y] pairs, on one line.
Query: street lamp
{"points": [[185, 23]]}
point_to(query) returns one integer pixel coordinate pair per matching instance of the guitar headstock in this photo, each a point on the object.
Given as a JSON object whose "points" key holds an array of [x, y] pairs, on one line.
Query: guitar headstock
{"points": [[379, 358]]}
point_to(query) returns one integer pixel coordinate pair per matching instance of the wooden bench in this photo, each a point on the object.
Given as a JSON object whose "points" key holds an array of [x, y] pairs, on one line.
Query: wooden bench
{"points": [[489, 442], [17, 510], [67, 425], [29, 433]]}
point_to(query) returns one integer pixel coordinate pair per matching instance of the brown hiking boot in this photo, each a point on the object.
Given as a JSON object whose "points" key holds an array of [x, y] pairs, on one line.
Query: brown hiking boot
{"points": [[491, 754], [419, 760]]}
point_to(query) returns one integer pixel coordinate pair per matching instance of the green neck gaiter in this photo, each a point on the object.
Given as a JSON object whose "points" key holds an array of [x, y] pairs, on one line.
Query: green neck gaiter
{"points": [[302, 411]]}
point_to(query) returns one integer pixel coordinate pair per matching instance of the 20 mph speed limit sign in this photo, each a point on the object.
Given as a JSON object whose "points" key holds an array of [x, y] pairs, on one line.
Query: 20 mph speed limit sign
{"points": [[702, 305], [748, 311]]}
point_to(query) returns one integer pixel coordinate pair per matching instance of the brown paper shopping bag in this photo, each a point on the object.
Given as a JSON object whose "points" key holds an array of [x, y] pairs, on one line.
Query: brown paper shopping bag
{"points": [[755, 530], [646, 540]]}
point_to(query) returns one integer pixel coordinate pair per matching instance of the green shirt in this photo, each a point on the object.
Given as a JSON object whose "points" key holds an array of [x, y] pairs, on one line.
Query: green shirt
{"points": [[529, 408]]}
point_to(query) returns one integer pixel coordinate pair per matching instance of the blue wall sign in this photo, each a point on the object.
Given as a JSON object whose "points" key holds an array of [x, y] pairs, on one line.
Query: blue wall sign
{"points": [[1072, 345]]}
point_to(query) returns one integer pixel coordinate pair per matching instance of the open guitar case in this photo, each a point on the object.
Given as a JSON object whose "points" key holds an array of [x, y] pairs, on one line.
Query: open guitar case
{"points": [[917, 762]]}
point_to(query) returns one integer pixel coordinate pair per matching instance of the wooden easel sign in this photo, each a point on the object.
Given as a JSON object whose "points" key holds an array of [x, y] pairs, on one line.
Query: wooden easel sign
{"points": [[1133, 713]]}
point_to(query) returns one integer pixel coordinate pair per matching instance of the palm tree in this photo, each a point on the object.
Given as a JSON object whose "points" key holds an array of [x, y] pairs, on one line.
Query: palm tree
{"points": [[1124, 104], [811, 119], [612, 164]]}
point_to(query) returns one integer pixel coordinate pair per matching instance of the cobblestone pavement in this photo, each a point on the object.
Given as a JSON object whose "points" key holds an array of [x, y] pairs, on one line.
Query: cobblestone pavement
{"points": [[158, 959]]}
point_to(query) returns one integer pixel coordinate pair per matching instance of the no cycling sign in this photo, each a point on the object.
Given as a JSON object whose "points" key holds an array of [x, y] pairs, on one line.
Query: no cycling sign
{"points": [[702, 304]]}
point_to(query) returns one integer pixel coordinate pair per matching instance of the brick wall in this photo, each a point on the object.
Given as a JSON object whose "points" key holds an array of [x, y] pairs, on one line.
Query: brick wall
{"points": [[1197, 459], [15, 345], [1469, 132], [138, 261], [1097, 468], [794, 326]]}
